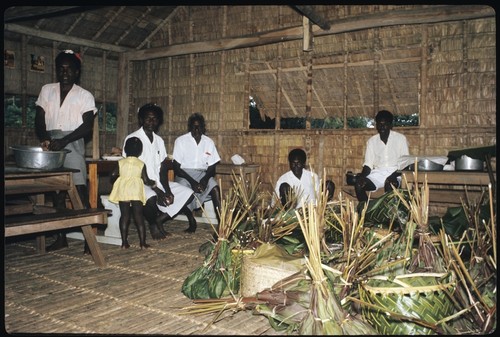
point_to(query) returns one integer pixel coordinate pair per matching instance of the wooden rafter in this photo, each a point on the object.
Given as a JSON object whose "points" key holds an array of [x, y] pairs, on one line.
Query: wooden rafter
{"points": [[312, 15]]}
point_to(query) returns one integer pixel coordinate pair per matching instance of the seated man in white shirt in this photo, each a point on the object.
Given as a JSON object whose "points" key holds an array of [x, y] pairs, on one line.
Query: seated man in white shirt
{"points": [[383, 150], [195, 159], [304, 183]]}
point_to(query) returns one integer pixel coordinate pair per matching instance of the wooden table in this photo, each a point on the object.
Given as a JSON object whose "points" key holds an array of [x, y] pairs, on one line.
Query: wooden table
{"points": [[100, 166], [247, 169], [449, 186], [94, 168], [20, 181]]}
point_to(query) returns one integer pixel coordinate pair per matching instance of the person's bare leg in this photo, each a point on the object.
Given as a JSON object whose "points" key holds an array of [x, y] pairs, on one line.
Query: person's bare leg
{"points": [[330, 188], [124, 222], [216, 200], [150, 211], [192, 221], [139, 223]]}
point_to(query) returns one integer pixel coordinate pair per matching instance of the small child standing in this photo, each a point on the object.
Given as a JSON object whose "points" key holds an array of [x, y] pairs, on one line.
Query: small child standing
{"points": [[128, 190]]}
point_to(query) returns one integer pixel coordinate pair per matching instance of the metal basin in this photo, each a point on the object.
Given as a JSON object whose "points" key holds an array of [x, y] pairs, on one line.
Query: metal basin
{"points": [[35, 157], [429, 165], [466, 163]]}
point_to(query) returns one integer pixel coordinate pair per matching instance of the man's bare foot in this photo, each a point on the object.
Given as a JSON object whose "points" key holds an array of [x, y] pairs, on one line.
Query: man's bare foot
{"points": [[125, 245], [191, 228], [145, 246], [155, 233]]}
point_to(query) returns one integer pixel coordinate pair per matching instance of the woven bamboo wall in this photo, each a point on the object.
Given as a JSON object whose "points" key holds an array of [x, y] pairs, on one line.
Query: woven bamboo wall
{"points": [[454, 91], [446, 72]]}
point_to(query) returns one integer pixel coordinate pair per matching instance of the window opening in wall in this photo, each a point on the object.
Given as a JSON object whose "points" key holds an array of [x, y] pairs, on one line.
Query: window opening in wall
{"points": [[366, 122], [257, 121], [13, 111], [107, 116]]}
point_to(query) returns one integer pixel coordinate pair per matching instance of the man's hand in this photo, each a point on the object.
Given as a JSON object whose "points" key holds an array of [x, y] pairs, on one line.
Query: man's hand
{"points": [[164, 199], [198, 187], [391, 180]]}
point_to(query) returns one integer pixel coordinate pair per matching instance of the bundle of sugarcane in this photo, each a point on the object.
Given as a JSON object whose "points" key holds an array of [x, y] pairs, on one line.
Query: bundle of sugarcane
{"points": [[325, 314], [218, 275]]}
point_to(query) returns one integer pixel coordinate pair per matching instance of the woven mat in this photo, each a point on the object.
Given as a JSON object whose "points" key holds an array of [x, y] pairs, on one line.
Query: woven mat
{"points": [[138, 292]]}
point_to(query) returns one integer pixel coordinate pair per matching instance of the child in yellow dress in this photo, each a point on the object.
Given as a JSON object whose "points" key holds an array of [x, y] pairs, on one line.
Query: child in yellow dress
{"points": [[128, 190]]}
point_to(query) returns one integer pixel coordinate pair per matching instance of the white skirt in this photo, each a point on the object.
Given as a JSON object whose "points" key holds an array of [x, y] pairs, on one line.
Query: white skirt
{"points": [[181, 196], [379, 175]]}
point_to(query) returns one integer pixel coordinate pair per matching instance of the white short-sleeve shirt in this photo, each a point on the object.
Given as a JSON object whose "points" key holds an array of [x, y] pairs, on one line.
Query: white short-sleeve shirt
{"points": [[153, 154], [68, 116], [195, 156], [381, 155], [307, 186]]}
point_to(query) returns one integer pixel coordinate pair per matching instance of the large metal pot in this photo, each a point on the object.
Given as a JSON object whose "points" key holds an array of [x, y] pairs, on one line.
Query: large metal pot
{"points": [[466, 163], [429, 165], [35, 157]]}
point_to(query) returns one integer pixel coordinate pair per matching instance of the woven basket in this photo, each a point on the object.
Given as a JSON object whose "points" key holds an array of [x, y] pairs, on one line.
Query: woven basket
{"points": [[259, 272], [421, 296]]}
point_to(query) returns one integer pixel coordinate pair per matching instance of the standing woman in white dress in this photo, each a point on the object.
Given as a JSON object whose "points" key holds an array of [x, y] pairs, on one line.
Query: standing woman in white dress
{"points": [[64, 117]]}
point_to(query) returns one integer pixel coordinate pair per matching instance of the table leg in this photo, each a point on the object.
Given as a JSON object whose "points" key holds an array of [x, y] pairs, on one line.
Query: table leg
{"points": [[95, 250], [93, 185]]}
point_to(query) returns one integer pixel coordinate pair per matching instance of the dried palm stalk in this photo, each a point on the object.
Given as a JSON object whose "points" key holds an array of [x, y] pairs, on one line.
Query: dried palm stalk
{"points": [[247, 194], [475, 298], [361, 248], [325, 314], [427, 257]]}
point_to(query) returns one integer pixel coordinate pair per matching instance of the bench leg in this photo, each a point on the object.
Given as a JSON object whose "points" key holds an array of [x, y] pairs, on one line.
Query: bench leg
{"points": [[95, 250], [40, 244]]}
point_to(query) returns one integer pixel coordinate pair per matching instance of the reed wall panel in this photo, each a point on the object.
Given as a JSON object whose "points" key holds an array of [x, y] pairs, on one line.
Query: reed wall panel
{"points": [[445, 72]]}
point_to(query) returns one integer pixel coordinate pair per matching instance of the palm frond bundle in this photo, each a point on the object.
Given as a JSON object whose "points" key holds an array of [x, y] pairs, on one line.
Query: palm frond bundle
{"points": [[426, 257], [473, 260], [325, 314], [218, 275]]}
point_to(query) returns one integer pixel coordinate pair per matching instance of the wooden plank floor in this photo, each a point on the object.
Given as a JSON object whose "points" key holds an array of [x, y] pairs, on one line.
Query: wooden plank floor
{"points": [[138, 292]]}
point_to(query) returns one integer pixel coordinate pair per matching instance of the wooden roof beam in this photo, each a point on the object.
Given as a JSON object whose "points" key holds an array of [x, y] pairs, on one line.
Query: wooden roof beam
{"points": [[366, 21], [312, 15], [12, 27]]}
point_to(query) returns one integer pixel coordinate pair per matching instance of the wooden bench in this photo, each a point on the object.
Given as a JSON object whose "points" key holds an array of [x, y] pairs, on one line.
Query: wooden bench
{"points": [[69, 218]]}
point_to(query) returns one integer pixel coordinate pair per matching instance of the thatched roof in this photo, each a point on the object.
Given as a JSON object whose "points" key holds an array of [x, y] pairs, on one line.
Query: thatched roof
{"points": [[344, 70]]}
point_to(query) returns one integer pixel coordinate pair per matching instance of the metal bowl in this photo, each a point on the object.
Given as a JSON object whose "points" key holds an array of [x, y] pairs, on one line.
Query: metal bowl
{"points": [[429, 165], [36, 158], [466, 163]]}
